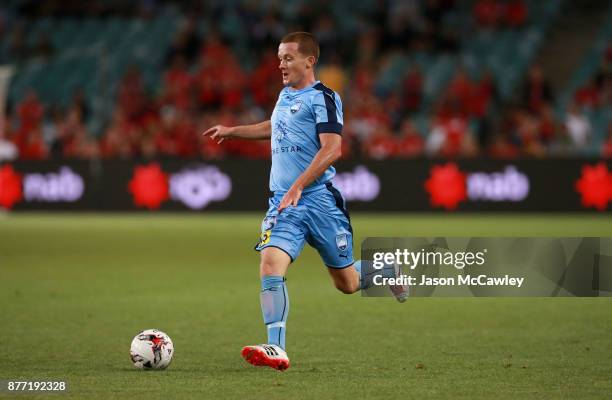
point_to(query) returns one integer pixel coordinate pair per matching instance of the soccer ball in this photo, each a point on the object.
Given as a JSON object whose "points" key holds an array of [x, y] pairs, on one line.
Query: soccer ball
{"points": [[151, 349]]}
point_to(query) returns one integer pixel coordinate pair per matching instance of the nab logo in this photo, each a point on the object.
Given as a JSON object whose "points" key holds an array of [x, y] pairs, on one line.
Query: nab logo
{"points": [[296, 107], [196, 188]]}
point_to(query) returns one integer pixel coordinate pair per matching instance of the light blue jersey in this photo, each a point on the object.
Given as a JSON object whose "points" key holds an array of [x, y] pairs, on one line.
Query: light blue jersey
{"points": [[298, 118], [320, 217]]}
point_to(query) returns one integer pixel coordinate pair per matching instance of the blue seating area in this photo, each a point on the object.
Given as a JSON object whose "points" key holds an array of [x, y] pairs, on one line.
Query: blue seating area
{"points": [[92, 54], [506, 53]]}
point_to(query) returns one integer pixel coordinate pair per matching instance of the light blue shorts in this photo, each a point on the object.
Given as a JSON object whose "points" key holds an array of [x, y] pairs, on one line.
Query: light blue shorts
{"points": [[320, 218]]}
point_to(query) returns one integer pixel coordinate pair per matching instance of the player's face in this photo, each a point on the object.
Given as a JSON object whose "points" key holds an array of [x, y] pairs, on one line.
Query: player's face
{"points": [[294, 65]]}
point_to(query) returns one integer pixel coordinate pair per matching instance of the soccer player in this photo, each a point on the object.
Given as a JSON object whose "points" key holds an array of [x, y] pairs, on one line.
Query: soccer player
{"points": [[305, 131]]}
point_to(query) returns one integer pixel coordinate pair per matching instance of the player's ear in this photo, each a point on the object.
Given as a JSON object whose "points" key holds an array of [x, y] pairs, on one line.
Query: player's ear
{"points": [[311, 61]]}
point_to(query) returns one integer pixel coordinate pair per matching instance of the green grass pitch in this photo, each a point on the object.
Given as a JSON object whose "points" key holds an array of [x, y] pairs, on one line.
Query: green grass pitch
{"points": [[75, 289]]}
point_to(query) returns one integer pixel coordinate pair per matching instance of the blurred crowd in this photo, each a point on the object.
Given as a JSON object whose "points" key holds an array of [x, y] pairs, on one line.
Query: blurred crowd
{"points": [[206, 82]]}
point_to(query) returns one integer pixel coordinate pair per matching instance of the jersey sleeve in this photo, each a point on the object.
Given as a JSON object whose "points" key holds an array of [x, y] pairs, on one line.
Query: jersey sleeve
{"points": [[327, 108]]}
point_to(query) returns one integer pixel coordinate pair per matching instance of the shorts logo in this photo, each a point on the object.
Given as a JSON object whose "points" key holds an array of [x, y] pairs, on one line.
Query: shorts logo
{"points": [[341, 241], [265, 238], [268, 223]]}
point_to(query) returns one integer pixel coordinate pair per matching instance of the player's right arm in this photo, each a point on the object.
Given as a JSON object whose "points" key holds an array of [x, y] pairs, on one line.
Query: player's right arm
{"points": [[260, 131]]}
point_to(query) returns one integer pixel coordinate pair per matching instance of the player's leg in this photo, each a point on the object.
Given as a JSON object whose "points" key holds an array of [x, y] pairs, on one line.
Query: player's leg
{"points": [[275, 308], [274, 297], [366, 273], [350, 279], [331, 233], [346, 279], [282, 240]]}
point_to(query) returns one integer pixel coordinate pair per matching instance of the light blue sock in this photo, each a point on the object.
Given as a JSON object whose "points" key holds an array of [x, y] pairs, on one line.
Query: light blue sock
{"points": [[274, 307], [366, 271]]}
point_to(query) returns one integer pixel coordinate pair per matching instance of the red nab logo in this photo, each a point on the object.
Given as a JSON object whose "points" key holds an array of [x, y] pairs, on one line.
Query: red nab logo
{"points": [[595, 186], [10, 187], [446, 186], [149, 186]]}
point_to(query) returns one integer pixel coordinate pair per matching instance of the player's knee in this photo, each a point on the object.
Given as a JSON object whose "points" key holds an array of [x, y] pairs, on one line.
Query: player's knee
{"points": [[345, 287], [267, 268], [273, 262], [270, 267], [345, 280]]}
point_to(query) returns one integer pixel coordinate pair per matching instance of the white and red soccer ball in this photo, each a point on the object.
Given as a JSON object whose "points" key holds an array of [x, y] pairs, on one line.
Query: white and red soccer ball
{"points": [[151, 349]]}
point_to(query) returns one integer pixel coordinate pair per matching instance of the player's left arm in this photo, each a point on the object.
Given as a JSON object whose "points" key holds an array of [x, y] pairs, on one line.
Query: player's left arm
{"points": [[330, 151]]}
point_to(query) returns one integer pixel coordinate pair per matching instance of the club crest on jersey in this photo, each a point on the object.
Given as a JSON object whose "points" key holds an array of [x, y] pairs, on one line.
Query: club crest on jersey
{"points": [[295, 107], [341, 241]]}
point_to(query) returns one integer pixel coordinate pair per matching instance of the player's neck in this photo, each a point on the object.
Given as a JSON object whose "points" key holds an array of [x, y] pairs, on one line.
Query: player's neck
{"points": [[309, 81]]}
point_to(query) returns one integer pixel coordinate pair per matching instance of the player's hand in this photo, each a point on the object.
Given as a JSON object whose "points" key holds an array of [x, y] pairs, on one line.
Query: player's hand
{"points": [[290, 198], [219, 133]]}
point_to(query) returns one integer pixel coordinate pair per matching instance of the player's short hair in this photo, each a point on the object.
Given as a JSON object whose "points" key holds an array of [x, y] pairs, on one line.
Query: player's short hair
{"points": [[308, 45]]}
